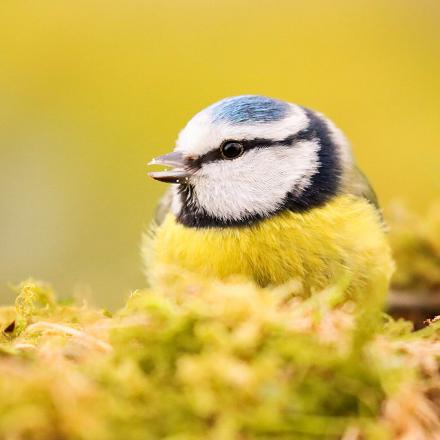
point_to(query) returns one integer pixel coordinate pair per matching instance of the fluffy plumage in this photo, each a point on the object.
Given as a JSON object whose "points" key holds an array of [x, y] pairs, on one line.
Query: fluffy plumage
{"points": [[292, 205]]}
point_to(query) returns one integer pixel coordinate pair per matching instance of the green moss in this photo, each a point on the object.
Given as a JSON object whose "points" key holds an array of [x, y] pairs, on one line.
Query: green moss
{"points": [[415, 240], [202, 360]]}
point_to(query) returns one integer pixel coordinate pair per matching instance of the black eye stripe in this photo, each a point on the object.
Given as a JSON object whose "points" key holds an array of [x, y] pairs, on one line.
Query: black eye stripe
{"points": [[249, 144]]}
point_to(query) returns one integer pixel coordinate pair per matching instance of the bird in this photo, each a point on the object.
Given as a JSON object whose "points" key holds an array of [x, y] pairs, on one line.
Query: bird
{"points": [[268, 191]]}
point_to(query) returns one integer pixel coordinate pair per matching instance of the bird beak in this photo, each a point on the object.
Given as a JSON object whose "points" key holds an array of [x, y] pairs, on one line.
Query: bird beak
{"points": [[178, 174]]}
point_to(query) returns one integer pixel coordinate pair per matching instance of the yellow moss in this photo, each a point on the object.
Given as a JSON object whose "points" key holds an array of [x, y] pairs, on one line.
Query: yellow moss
{"points": [[415, 240], [214, 360]]}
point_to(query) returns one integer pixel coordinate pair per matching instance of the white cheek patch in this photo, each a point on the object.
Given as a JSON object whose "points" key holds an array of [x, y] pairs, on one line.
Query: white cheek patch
{"points": [[257, 182], [201, 135]]}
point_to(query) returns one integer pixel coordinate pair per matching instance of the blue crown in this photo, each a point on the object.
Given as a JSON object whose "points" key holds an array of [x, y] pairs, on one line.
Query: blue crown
{"points": [[249, 109]]}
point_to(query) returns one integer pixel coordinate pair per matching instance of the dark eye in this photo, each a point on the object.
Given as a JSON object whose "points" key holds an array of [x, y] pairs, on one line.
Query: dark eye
{"points": [[231, 150]]}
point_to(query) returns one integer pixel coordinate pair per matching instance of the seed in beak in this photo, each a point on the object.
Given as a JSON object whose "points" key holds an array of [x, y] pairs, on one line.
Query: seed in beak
{"points": [[178, 174], [171, 176]]}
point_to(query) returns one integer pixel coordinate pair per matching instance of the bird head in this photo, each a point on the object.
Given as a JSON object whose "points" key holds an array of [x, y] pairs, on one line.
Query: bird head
{"points": [[246, 158]]}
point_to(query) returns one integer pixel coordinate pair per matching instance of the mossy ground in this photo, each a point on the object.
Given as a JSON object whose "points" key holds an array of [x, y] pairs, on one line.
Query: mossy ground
{"points": [[214, 361], [209, 360], [415, 240]]}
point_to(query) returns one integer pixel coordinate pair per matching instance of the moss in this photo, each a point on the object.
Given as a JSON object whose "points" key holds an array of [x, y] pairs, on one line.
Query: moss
{"points": [[415, 240], [204, 360]]}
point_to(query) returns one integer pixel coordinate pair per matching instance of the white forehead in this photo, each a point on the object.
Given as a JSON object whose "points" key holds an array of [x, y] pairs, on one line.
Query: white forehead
{"points": [[206, 130]]}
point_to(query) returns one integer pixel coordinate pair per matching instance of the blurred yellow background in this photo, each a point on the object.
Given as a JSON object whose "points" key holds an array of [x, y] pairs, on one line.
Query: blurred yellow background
{"points": [[90, 90]]}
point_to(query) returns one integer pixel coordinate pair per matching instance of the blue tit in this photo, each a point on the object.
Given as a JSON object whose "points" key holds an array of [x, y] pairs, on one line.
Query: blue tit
{"points": [[269, 191]]}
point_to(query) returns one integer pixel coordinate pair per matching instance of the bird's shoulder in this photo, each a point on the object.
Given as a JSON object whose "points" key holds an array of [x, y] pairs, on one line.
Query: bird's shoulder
{"points": [[357, 184]]}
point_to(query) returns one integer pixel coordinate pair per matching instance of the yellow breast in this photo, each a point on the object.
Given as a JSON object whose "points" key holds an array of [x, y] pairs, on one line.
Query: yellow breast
{"points": [[344, 238]]}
